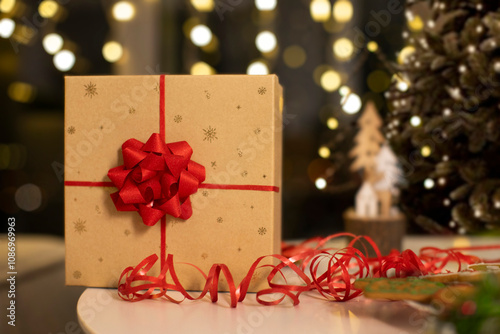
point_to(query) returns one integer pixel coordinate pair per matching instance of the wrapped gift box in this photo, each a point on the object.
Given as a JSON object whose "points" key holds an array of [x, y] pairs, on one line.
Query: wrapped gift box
{"points": [[233, 125]]}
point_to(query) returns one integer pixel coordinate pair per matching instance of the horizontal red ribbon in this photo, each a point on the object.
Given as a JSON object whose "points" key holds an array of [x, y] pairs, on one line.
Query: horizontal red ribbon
{"points": [[335, 282], [202, 186]]}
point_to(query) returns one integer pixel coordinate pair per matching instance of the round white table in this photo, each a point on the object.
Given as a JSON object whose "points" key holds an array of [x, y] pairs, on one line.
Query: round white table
{"points": [[102, 311]]}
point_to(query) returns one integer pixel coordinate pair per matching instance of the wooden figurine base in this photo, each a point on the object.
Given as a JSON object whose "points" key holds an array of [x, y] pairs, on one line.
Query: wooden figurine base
{"points": [[387, 232]]}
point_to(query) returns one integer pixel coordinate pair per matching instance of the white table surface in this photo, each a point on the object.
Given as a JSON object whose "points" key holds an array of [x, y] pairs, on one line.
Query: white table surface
{"points": [[102, 311]]}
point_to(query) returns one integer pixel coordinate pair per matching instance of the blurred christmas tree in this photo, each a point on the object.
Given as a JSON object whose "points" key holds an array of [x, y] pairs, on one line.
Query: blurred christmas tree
{"points": [[447, 118]]}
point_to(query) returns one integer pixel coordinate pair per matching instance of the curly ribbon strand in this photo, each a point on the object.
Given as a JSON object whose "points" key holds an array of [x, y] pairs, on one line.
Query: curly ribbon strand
{"points": [[333, 281]]}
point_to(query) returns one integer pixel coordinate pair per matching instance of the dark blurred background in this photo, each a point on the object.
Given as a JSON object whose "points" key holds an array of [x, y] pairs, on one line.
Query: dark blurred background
{"points": [[320, 49]]}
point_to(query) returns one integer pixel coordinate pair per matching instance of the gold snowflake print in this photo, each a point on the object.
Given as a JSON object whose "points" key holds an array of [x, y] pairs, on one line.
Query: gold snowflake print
{"points": [[177, 118], [71, 130], [256, 131], [204, 256], [262, 230], [240, 152], [214, 164], [238, 107], [90, 90], [77, 274], [204, 193], [219, 220], [210, 134], [131, 110], [208, 95], [100, 259], [244, 173], [80, 226], [127, 232], [262, 90], [97, 209], [157, 88]]}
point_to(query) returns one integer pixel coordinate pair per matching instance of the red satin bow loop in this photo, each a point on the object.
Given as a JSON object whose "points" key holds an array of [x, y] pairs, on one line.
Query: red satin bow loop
{"points": [[156, 179]]}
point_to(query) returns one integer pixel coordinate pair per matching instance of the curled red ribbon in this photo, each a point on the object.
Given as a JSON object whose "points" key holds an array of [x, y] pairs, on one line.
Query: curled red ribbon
{"points": [[333, 281], [156, 179]]}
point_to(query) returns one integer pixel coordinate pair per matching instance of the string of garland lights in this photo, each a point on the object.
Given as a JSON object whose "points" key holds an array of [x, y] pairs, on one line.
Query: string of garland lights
{"points": [[446, 116]]}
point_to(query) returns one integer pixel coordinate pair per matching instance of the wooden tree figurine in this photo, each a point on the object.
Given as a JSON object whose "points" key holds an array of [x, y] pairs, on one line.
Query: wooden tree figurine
{"points": [[373, 214], [368, 141], [367, 145]]}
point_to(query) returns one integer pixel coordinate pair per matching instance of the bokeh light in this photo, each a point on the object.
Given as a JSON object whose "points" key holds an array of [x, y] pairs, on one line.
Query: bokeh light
{"points": [[257, 68], [332, 123], [429, 183], [294, 56], [266, 41], [405, 53], [48, 8], [201, 35], [342, 11], [425, 151], [52, 43], [330, 80], [112, 51], [123, 11], [265, 5], [415, 121], [201, 68], [343, 48], [7, 5], [320, 183], [378, 81], [21, 92], [320, 10], [203, 5], [324, 152], [416, 24], [64, 60], [372, 46], [351, 103], [7, 27], [28, 197]]}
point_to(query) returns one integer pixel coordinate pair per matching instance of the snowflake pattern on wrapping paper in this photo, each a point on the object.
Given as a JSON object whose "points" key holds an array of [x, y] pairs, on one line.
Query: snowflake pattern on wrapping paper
{"points": [[208, 95], [256, 131], [90, 89], [205, 193], [238, 107], [240, 152], [80, 226], [262, 90], [177, 118], [204, 256], [131, 110], [220, 220], [127, 232], [71, 130], [244, 173], [100, 259], [262, 230], [214, 164], [77, 274], [210, 134], [98, 209]]}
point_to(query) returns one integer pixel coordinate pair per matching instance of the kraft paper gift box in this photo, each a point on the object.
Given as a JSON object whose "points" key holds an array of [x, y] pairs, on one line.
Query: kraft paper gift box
{"points": [[233, 125]]}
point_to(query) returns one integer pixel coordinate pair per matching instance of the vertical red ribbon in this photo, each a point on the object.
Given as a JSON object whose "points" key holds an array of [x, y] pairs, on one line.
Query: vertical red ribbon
{"points": [[163, 224]]}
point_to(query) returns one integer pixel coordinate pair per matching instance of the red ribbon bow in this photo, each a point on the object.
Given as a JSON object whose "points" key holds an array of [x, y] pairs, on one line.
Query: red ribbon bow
{"points": [[156, 179]]}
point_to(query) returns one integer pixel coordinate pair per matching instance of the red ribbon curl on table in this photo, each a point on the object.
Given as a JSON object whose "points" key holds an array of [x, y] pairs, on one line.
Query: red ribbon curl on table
{"points": [[333, 281], [156, 179]]}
